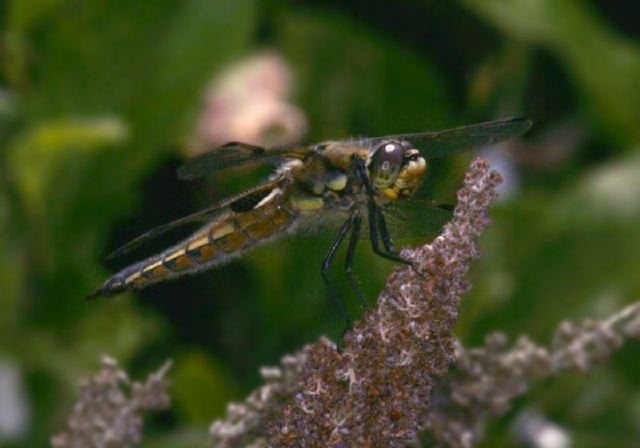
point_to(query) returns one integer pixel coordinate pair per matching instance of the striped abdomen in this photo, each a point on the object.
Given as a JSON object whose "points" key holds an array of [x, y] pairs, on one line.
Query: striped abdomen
{"points": [[226, 236]]}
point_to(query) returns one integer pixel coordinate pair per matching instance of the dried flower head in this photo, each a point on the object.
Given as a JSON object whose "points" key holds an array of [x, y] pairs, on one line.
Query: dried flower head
{"points": [[377, 391], [108, 411], [487, 379]]}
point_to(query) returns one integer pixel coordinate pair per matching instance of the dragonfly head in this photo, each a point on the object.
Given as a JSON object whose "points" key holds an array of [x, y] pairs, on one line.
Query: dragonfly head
{"points": [[396, 169]]}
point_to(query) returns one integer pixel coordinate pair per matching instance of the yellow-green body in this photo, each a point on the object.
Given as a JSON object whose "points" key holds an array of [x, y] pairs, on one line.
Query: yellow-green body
{"points": [[310, 189], [353, 179]]}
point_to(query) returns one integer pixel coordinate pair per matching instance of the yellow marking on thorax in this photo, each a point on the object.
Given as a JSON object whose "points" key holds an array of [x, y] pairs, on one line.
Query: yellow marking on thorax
{"points": [[317, 187], [307, 203], [338, 182]]}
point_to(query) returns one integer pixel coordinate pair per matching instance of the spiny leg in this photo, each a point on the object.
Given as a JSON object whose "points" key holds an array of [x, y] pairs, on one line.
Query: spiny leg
{"points": [[373, 236], [353, 241], [388, 244], [361, 174], [326, 263], [384, 233]]}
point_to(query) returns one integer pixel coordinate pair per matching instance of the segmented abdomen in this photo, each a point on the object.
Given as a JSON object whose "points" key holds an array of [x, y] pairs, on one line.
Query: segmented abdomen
{"points": [[228, 235]]}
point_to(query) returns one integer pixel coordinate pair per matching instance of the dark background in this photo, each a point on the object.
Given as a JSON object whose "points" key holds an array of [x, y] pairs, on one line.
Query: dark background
{"points": [[99, 104]]}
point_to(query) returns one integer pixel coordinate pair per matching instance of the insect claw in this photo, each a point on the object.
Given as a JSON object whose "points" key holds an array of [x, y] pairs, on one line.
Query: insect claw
{"points": [[415, 267]]}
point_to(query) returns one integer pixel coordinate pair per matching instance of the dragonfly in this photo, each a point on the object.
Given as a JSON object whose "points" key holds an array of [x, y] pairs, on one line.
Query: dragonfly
{"points": [[352, 182]]}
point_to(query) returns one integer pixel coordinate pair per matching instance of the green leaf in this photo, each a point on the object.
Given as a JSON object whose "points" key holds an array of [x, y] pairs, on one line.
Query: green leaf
{"points": [[351, 80], [35, 155], [202, 387], [605, 66]]}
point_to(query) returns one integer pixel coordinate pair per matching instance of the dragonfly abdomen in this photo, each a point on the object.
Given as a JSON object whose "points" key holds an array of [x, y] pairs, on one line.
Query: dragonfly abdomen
{"points": [[225, 237]]}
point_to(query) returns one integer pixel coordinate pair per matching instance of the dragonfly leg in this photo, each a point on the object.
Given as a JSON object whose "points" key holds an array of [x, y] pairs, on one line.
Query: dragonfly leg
{"points": [[326, 263], [375, 215], [442, 206], [353, 241], [384, 233], [375, 243], [361, 174]]}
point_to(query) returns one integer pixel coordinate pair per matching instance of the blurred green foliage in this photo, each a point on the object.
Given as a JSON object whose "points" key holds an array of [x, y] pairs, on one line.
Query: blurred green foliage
{"points": [[97, 98]]}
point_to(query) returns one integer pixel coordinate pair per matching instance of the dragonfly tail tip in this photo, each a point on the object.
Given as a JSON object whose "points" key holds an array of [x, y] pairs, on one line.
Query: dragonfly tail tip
{"points": [[95, 294], [106, 290]]}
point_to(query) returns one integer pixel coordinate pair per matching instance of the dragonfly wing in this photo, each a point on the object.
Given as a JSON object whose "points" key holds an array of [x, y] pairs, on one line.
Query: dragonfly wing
{"points": [[411, 218], [241, 202], [464, 138], [414, 218], [236, 154]]}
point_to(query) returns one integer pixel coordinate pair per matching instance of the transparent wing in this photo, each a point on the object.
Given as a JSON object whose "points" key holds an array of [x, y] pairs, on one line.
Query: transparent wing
{"points": [[236, 154], [433, 144], [241, 202], [411, 218], [464, 138], [414, 218]]}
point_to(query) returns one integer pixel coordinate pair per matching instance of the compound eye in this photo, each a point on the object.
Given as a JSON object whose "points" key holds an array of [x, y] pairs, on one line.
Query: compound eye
{"points": [[386, 163]]}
